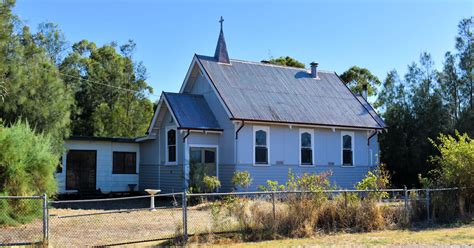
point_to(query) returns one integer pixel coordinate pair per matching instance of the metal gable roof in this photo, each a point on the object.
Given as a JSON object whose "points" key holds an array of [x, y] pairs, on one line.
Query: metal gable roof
{"points": [[191, 111], [264, 92]]}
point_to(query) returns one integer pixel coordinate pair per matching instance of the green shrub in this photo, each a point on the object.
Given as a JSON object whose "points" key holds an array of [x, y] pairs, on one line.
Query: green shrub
{"points": [[455, 167], [241, 179], [375, 180], [211, 183], [27, 165], [271, 186]]}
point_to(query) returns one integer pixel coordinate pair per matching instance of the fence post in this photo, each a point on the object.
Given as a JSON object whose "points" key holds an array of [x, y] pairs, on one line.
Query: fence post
{"points": [[405, 191], [185, 217], [45, 220], [273, 203], [345, 198], [428, 204]]}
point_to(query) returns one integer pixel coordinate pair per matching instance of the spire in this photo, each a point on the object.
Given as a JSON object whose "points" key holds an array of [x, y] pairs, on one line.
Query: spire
{"points": [[221, 54]]}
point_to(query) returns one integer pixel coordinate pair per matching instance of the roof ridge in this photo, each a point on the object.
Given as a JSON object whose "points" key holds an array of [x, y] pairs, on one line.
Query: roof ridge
{"points": [[268, 64]]}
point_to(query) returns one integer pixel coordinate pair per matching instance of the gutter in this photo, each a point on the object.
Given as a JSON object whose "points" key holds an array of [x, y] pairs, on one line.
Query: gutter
{"points": [[307, 124]]}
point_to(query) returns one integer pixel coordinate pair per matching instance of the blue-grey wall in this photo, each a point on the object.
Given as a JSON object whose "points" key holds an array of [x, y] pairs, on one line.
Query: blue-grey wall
{"points": [[284, 155], [226, 139], [154, 172], [342, 177], [284, 151]]}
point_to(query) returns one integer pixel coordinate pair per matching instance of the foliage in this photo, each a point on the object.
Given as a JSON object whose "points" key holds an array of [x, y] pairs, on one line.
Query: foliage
{"points": [[375, 180], [423, 104], [271, 186], [356, 77], [109, 89], [455, 164], [211, 183], [287, 61], [241, 179], [308, 182], [32, 87], [27, 165]]}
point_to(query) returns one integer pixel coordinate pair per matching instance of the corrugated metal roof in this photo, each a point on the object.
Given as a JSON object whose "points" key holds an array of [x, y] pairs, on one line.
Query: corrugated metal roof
{"points": [[257, 91], [191, 111], [372, 111]]}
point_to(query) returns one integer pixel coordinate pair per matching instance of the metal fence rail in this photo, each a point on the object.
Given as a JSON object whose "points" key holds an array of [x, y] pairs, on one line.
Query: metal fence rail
{"points": [[128, 220]]}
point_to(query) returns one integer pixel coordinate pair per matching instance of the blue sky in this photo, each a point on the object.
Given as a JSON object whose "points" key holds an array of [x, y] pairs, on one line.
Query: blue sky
{"points": [[378, 35]]}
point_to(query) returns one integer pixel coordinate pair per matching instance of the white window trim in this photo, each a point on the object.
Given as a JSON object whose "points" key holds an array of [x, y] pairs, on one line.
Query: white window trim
{"points": [[167, 162], [267, 130], [311, 132], [189, 146], [343, 133]]}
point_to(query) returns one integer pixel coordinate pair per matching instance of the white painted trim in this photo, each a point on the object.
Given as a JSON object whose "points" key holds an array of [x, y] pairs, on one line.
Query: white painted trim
{"points": [[263, 123], [350, 133], [209, 81], [150, 128], [157, 111], [311, 132], [167, 162], [267, 130]]}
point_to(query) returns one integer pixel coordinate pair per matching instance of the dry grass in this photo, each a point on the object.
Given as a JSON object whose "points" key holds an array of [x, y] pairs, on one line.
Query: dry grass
{"points": [[461, 235], [105, 228]]}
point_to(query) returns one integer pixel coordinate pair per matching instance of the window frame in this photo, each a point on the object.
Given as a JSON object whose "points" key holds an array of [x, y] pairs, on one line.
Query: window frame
{"points": [[311, 133], [124, 170], [167, 161], [351, 134], [255, 130]]}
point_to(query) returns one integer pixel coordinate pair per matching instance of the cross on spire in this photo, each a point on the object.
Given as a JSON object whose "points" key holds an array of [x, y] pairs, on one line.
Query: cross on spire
{"points": [[221, 21], [221, 54]]}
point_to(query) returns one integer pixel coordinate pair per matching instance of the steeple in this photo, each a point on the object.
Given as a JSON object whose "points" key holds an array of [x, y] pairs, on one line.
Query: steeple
{"points": [[221, 54]]}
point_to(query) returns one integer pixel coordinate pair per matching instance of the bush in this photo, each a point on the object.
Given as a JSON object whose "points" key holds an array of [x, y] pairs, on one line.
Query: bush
{"points": [[376, 180], [27, 165], [241, 179], [211, 183], [455, 166]]}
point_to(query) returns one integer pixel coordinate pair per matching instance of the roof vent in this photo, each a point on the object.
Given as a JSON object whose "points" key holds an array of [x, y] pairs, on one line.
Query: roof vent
{"points": [[314, 70], [265, 62]]}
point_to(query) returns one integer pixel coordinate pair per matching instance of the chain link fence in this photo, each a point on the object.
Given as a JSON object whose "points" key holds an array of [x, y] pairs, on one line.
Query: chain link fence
{"points": [[22, 220], [129, 220]]}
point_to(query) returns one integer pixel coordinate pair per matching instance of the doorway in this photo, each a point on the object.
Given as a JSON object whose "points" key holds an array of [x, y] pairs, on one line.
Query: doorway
{"points": [[202, 162], [81, 170]]}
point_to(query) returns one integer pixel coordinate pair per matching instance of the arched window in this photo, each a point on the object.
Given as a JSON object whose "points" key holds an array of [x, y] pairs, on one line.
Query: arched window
{"points": [[306, 144], [261, 145], [347, 149], [171, 145]]}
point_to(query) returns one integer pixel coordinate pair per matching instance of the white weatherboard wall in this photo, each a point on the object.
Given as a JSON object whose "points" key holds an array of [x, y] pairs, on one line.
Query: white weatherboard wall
{"points": [[105, 180]]}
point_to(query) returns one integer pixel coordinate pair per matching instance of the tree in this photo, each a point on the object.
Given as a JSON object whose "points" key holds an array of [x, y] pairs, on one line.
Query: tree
{"points": [[356, 77], [414, 112], [465, 48], [451, 86], [110, 90], [52, 40], [35, 91], [287, 61]]}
